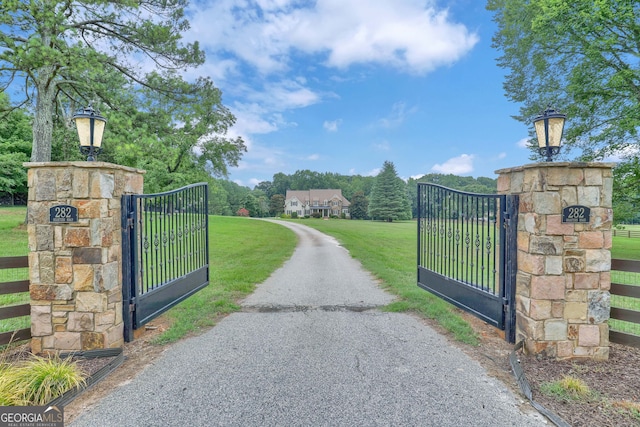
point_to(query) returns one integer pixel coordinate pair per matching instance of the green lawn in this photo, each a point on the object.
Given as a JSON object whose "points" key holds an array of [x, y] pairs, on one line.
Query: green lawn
{"points": [[244, 252], [13, 243]]}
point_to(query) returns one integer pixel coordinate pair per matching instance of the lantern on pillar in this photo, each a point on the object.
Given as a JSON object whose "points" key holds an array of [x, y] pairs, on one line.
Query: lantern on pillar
{"points": [[90, 125], [549, 126]]}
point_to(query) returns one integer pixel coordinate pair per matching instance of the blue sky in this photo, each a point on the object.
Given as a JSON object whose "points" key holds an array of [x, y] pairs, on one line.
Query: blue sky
{"points": [[343, 85]]}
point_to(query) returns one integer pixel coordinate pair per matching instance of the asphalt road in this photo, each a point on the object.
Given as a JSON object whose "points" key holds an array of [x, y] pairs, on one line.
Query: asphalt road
{"points": [[310, 348]]}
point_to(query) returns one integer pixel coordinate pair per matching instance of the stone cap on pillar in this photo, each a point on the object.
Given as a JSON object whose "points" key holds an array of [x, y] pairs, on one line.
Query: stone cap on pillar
{"points": [[82, 164], [604, 165]]}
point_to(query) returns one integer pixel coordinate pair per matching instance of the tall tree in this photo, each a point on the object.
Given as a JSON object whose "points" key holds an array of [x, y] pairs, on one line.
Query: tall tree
{"points": [[582, 58], [58, 50], [626, 192], [388, 197], [178, 141], [15, 148], [359, 206], [276, 204]]}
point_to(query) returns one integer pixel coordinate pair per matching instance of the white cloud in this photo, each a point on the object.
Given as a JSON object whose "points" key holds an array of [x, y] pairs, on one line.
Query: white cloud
{"points": [[398, 115], [502, 155], [523, 143], [313, 157], [460, 165], [622, 154], [332, 126], [382, 146], [373, 172], [411, 35]]}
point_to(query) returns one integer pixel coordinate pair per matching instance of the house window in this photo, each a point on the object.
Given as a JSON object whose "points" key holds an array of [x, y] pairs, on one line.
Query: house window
{"points": [[315, 203], [294, 203]]}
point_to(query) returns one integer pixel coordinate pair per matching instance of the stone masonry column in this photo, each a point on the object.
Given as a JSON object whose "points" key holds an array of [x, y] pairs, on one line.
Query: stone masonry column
{"points": [[75, 262], [563, 279]]}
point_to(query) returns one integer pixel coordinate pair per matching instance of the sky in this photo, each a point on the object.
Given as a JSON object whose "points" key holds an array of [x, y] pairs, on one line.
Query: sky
{"points": [[344, 85]]}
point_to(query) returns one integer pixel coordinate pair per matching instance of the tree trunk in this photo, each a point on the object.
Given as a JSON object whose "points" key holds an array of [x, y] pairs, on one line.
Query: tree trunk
{"points": [[43, 120]]}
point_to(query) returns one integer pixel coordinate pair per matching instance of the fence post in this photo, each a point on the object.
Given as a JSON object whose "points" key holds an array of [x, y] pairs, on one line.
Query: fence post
{"points": [[564, 259], [75, 260]]}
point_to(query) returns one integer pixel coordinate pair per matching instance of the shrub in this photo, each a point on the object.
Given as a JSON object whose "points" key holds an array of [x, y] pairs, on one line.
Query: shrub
{"points": [[294, 215], [38, 381]]}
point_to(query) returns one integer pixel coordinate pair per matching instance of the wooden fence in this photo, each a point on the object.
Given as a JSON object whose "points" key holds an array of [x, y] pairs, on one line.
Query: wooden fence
{"points": [[12, 311], [626, 233], [630, 291]]}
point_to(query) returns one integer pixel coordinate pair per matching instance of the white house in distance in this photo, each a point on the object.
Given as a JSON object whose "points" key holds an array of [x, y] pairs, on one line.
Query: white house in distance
{"points": [[308, 202]]}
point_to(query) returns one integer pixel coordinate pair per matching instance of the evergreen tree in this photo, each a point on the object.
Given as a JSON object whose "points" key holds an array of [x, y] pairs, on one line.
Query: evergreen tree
{"points": [[359, 206], [15, 149], [388, 196], [276, 204]]}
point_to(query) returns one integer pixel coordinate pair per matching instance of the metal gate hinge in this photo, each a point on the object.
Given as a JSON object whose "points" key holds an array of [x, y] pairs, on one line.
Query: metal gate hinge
{"points": [[132, 305]]}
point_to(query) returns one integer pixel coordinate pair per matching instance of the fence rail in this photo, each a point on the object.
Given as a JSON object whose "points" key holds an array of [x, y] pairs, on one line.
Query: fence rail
{"points": [[630, 292], [626, 233], [12, 311]]}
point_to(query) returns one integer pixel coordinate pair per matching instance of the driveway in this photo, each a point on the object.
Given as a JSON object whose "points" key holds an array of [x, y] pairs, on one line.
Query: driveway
{"points": [[309, 348]]}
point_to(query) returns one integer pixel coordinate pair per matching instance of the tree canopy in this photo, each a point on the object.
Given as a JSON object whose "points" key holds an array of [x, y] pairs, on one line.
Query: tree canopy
{"points": [[15, 148], [583, 57], [63, 52]]}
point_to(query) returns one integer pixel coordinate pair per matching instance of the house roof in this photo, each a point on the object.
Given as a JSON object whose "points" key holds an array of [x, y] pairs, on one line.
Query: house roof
{"points": [[320, 195]]}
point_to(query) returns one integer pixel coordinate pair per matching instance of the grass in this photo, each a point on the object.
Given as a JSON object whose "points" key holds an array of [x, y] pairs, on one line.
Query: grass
{"points": [[388, 250], [14, 243], [625, 248], [568, 389], [13, 232]]}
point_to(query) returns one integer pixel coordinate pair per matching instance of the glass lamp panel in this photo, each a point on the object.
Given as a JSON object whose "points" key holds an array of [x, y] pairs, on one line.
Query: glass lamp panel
{"points": [[556, 125], [539, 125], [98, 131], [84, 131]]}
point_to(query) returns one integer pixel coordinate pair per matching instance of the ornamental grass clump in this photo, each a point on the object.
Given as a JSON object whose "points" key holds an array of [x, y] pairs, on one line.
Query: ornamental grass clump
{"points": [[38, 380], [568, 388]]}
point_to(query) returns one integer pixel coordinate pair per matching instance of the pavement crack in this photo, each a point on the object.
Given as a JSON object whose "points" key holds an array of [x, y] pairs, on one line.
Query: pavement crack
{"points": [[293, 308]]}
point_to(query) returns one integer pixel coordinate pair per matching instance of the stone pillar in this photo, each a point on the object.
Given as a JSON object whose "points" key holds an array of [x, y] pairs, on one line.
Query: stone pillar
{"points": [[563, 279], [75, 263]]}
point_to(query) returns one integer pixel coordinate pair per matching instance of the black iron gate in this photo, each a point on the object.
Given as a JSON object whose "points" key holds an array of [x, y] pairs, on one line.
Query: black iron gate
{"points": [[165, 243], [467, 251]]}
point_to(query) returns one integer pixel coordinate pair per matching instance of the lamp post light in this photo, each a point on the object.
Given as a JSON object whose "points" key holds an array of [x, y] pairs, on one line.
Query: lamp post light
{"points": [[549, 126], [90, 125]]}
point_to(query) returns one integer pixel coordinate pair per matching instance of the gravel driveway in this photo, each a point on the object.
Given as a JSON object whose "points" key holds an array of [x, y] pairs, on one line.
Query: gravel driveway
{"points": [[309, 348]]}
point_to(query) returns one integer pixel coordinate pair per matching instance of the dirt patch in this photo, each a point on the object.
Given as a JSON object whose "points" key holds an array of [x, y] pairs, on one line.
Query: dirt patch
{"points": [[615, 384]]}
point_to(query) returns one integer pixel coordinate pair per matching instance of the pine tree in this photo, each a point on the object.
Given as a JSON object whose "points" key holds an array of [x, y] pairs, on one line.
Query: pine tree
{"points": [[359, 206], [388, 199]]}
